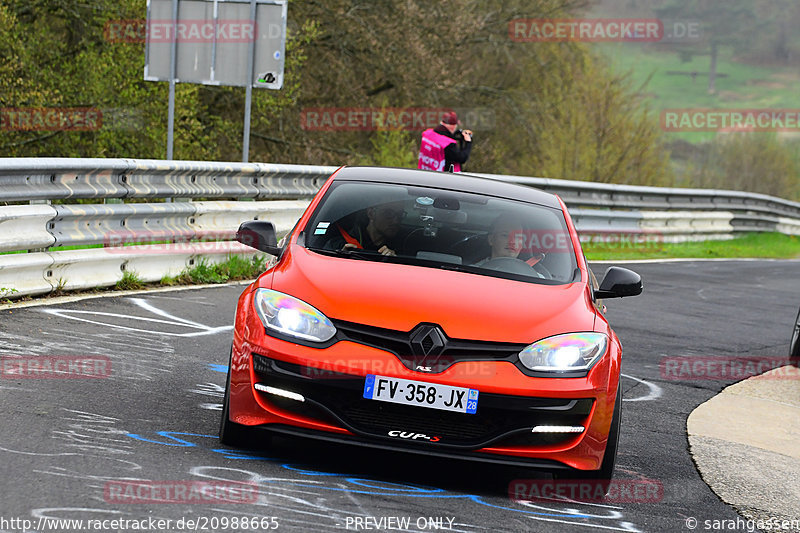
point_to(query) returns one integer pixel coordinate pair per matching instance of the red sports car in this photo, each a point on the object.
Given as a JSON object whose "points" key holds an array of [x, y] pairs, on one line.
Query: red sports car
{"points": [[431, 313]]}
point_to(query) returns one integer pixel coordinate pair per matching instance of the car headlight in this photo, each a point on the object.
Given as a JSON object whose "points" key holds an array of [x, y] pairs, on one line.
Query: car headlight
{"points": [[285, 314], [572, 351]]}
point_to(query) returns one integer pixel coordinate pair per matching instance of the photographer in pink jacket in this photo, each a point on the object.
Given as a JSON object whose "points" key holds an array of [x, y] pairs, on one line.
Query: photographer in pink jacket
{"points": [[445, 147]]}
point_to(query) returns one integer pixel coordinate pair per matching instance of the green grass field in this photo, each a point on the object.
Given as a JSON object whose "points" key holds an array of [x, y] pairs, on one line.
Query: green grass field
{"points": [[745, 86], [751, 245]]}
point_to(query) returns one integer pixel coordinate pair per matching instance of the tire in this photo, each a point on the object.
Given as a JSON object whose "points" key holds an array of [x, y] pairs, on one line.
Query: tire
{"points": [[231, 433], [795, 344], [605, 474]]}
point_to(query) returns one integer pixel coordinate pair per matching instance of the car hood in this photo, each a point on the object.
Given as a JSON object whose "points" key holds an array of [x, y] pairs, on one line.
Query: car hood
{"points": [[399, 297]]}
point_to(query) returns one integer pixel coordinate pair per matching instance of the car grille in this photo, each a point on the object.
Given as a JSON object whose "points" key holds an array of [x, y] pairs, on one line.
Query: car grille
{"points": [[501, 420], [384, 417], [399, 343]]}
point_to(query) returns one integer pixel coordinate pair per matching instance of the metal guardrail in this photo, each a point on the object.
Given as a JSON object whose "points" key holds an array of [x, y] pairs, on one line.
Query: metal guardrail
{"points": [[604, 195], [597, 209], [26, 179], [26, 227], [123, 230]]}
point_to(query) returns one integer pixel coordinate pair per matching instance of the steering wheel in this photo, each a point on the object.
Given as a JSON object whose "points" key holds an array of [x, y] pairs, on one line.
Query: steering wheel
{"points": [[414, 234], [470, 248], [512, 265], [464, 240]]}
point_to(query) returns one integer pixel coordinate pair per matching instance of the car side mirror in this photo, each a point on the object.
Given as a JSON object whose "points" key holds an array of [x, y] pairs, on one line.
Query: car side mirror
{"points": [[260, 235], [619, 282]]}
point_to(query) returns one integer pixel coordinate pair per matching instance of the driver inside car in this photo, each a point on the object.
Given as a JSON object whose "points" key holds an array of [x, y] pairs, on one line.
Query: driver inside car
{"points": [[507, 239], [380, 232]]}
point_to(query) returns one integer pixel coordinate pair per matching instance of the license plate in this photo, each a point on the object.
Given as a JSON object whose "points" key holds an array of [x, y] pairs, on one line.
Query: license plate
{"points": [[421, 394]]}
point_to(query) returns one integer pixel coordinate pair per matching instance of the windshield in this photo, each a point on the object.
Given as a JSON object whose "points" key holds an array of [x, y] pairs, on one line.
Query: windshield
{"points": [[443, 229]]}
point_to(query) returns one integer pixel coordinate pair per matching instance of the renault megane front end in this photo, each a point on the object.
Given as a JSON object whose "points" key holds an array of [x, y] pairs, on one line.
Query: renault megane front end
{"points": [[431, 313]]}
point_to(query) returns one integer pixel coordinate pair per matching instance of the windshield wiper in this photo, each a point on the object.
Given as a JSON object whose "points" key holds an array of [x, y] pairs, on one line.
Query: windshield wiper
{"points": [[353, 253], [457, 267]]}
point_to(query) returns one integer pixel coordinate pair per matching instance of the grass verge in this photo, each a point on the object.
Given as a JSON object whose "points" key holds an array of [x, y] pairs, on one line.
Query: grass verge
{"points": [[4, 292], [756, 245], [234, 268], [130, 281]]}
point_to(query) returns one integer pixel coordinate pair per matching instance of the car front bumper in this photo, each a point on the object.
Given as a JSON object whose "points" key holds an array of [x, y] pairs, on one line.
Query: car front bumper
{"points": [[331, 383]]}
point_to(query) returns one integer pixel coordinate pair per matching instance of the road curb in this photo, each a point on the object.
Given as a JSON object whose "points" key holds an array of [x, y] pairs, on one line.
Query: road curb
{"points": [[745, 442], [111, 293]]}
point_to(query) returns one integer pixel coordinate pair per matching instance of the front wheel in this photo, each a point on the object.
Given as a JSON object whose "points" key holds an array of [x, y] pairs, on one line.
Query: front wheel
{"points": [[230, 432], [605, 474]]}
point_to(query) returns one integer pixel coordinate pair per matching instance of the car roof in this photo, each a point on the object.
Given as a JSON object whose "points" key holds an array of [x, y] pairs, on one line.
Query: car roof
{"points": [[446, 180]]}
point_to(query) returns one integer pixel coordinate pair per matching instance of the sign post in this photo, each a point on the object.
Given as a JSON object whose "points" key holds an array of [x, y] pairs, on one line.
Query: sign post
{"points": [[237, 43]]}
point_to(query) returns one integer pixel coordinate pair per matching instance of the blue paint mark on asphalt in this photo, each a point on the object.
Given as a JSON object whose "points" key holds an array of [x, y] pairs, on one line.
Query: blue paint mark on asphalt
{"points": [[219, 368], [176, 441], [241, 454], [380, 488], [181, 443], [479, 499], [374, 484], [415, 492], [305, 472]]}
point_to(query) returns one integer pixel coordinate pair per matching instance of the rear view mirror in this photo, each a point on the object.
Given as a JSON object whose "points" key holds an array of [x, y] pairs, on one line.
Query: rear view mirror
{"points": [[259, 235], [618, 283]]}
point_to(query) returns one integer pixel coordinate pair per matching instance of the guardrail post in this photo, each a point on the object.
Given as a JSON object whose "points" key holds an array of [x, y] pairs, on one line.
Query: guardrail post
{"points": [[39, 202]]}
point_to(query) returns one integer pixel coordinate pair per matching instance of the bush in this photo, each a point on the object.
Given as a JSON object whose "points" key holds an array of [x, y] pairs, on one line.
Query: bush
{"points": [[234, 268], [6, 292], [753, 162], [130, 281]]}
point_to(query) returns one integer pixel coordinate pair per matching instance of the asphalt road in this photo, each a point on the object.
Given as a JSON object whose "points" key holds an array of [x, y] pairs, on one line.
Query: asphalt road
{"points": [[66, 445]]}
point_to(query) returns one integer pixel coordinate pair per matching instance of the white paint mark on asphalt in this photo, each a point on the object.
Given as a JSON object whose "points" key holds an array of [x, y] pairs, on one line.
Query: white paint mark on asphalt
{"points": [[141, 302], [197, 300], [8, 387], [38, 454], [654, 393], [209, 389], [611, 515], [310, 499], [171, 320], [49, 512], [700, 294]]}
